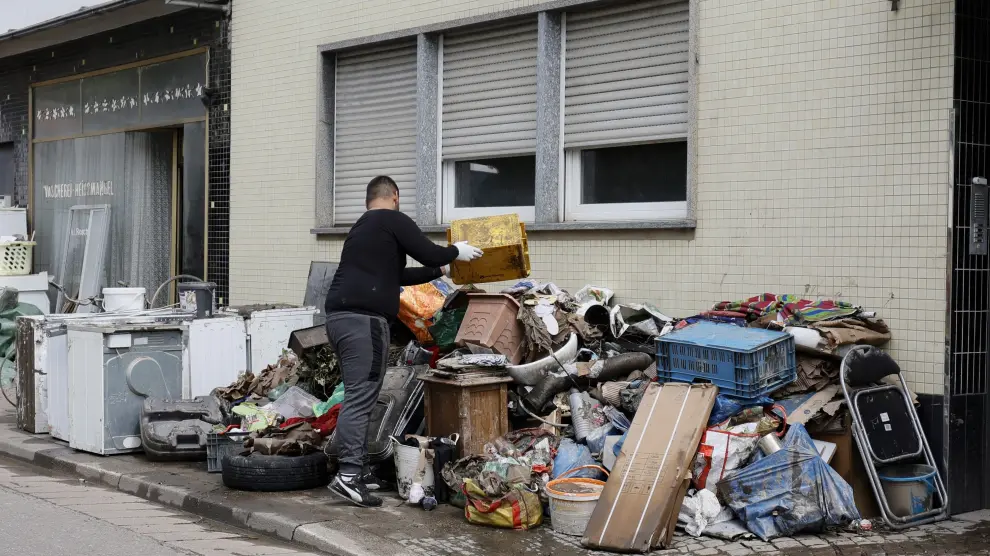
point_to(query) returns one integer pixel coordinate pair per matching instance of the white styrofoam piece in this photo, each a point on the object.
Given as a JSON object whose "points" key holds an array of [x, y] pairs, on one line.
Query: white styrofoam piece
{"points": [[13, 222], [268, 333], [215, 354]]}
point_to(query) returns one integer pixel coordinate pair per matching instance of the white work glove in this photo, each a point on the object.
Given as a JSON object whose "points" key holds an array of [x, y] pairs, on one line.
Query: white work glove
{"points": [[445, 270], [466, 252]]}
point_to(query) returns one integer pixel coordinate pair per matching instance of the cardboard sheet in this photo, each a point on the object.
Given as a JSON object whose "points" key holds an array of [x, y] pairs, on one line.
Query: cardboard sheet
{"points": [[638, 508]]}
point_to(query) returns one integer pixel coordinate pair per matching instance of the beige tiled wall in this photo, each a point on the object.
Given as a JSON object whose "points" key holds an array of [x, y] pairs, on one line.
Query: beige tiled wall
{"points": [[822, 160]]}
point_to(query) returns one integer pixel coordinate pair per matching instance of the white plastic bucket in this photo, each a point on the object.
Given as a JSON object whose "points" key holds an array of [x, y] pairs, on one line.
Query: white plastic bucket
{"points": [[573, 500], [117, 300], [406, 463], [909, 488]]}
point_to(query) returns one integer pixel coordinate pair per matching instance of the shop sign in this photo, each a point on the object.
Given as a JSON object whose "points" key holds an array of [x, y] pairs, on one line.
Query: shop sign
{"points": [[152, 95]]}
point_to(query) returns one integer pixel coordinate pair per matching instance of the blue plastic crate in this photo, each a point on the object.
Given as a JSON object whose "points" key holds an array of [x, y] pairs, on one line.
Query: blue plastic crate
{"points": [[742, 362]]}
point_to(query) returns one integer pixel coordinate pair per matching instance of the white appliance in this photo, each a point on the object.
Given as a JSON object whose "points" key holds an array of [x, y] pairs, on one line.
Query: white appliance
{"points": [[32, 289], [13, 222], [268, 332], [50, 366], [113, 367], [215, 353]]}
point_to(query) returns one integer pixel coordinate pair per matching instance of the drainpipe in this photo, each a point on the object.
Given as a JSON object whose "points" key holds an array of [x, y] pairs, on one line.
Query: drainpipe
{"points": [[202, 5]]}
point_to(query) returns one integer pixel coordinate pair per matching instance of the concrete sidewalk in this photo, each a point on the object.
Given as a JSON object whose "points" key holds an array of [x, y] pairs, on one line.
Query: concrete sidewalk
{"points": [[314, 519]]}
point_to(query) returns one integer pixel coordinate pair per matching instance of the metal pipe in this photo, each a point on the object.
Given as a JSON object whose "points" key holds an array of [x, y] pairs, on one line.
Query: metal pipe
{"points": [[225, 8]]}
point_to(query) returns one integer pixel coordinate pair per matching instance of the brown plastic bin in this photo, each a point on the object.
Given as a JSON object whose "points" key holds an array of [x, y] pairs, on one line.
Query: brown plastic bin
{"points": [[491, 322]]}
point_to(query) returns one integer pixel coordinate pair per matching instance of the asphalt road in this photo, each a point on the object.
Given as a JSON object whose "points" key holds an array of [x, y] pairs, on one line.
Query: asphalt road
{"points": [[42, 515]]}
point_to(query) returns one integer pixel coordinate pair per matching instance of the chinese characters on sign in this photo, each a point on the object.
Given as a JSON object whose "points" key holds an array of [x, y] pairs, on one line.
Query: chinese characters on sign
{"points": [[130, 103], [82, 189], [59, 113], [152, 95], [174, 94]]}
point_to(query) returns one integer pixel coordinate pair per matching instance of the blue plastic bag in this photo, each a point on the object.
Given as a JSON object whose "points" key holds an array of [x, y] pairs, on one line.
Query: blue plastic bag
{"points": [[726, 407], [618, 445], [790, 491], [571, 455]]}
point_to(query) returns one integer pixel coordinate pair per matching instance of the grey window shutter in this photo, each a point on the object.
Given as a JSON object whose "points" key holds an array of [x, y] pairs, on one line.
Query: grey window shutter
{"points": [[626, 74], [489, 91], [375, 126]]}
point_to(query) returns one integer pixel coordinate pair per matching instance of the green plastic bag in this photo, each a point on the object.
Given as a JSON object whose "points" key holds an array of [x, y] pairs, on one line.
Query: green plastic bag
{"points": [[337, 397], [445, 326]]}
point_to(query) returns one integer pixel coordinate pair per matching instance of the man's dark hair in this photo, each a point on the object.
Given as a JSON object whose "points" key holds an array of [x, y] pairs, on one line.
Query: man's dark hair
{"points": [[380, 187]]}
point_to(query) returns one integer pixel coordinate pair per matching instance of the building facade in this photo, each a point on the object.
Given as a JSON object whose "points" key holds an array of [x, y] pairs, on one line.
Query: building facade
{"points": [[124, 106], [681, 152]]}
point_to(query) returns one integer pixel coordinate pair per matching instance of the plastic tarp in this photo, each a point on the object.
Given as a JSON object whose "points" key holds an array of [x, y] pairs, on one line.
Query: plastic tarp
{"points": [[726, 408], [790, 491], [571, 455]]}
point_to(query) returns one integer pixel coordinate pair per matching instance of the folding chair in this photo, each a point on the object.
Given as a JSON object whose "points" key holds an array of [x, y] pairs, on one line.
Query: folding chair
{"points": [[887, 429]]}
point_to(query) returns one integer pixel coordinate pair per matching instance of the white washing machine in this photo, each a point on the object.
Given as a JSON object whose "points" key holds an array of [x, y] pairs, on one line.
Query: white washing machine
{"points": [[268, 332], [113, 367]]}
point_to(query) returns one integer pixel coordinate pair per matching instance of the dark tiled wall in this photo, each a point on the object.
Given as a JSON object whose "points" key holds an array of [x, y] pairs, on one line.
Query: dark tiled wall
{"points": [[151, 39], [969, 367]]}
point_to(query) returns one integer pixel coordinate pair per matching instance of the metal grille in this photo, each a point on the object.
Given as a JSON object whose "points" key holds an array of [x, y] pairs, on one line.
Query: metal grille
{"points": [[969, 299], [218, 221]]}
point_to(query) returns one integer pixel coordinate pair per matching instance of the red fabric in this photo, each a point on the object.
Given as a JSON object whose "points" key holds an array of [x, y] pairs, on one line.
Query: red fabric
{"points": [[436, 356], [324, 424]]}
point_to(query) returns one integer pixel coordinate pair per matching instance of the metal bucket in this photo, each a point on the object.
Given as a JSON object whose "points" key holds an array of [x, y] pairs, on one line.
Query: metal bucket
{"points": [[573, 500], [909, 488]]}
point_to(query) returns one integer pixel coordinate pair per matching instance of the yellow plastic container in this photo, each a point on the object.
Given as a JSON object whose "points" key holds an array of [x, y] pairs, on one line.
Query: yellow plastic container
{"points": [[502, 238]]}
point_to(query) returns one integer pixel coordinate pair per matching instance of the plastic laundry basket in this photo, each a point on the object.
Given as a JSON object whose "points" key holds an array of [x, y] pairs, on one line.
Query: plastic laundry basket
{"points": [[16, 258]]}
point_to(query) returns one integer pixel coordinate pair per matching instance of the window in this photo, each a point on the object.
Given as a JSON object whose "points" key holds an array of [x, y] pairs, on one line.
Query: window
{"points": [[374, 126], [626, 112], [488, 186], [614, 87], [488, 121], [640, 182]]}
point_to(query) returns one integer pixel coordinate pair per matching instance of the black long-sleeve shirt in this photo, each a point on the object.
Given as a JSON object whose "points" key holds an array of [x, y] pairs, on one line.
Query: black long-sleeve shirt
{"points": [[373, 264]]}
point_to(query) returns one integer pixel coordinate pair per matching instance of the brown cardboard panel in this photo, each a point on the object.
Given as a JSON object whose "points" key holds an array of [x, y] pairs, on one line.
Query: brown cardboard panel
{"points": [[665, 535], [849, 465], [645, 489]]}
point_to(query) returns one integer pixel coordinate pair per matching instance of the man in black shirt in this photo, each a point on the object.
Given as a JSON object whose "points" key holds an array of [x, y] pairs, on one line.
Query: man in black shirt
{"points": [[362, 302]]}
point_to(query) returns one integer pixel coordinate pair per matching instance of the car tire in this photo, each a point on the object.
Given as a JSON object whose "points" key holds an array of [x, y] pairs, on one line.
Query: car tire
{"points": [[260, 473]]}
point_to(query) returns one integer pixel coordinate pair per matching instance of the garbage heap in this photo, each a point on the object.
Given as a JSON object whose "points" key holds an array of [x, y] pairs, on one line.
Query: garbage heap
{"points": [[545, 393]]}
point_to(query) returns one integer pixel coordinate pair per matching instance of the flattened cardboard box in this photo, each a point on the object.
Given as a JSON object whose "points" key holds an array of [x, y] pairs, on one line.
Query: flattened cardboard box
{"points": [[646, 487]]}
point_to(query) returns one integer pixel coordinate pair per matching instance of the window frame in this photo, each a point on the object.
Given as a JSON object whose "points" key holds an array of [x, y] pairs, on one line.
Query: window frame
{"points": [[576, 211], [447, 186], [448, 189], [558, 177]]}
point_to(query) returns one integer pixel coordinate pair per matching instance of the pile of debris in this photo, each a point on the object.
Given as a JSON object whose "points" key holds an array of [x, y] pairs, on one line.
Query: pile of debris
{"points": [[755, 411]]}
